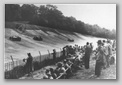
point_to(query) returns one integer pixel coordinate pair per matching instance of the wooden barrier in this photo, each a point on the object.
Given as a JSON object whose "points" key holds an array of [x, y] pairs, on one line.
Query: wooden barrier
{"points": [[62, 74]]}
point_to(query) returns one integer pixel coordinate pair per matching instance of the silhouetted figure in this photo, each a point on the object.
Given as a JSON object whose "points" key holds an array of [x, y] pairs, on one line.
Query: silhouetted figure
{"points": [[64, 52], [87, 55], [29, 63], [91, 47], [54, 55]]}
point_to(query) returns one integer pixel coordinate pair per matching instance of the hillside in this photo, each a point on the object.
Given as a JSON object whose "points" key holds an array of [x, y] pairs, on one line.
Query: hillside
{"points": [[52, 39]]}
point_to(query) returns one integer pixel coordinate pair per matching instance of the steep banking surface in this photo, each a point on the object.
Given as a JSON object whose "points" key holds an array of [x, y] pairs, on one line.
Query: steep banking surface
{"points": [[52, 39]]}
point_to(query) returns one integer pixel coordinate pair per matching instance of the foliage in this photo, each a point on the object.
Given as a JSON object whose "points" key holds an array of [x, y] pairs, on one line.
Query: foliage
{"points": [[50, 16], [12, 12]]}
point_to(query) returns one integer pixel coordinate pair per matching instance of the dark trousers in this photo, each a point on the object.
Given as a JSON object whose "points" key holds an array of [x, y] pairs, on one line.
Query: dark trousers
{"points": [[98, 68], [107, 61], [87, 57], [28, 68]]}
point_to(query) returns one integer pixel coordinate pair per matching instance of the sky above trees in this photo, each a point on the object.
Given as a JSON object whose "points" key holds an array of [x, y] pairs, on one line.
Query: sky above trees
{"points": [[103, 15], [98, 18]]}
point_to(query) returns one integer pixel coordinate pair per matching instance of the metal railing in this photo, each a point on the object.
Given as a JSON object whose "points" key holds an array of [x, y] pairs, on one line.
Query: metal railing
{"points": [[15, 69]]}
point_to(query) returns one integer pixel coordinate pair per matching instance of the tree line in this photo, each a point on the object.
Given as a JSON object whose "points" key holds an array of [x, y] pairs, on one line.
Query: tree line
{"points": [[50, 16]]}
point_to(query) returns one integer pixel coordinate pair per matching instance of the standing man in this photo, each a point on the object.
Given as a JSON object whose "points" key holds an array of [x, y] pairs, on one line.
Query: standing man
{"points": [[87, 55], [29, 63], [54, 55], [91, 47], [104, 44], [100, 58], [108, 50], [64, 52]]}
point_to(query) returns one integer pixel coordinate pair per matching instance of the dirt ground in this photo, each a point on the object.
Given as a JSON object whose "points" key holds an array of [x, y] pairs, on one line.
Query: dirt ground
{"points": [[109, 73]]}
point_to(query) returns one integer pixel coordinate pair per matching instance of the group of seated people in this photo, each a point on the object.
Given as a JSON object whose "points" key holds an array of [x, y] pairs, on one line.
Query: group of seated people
{"points": [[62, 70], [65, 68]]}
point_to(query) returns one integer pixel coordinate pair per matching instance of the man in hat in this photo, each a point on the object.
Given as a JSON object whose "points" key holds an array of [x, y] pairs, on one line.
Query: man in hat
{"points": [[100, 58]]}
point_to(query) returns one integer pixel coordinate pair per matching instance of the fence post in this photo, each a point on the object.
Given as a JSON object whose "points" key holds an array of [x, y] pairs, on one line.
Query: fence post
{"points": [[58, 54], [5, 67], [40, 56], [12, 60], [9, 65]]}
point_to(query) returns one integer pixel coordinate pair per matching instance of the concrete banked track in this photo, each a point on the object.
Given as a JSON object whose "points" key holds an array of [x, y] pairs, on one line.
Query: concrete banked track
{"points": [[52, 39]]}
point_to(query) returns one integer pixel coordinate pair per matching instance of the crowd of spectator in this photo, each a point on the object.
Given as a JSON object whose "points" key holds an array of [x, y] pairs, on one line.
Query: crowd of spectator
{"points": [[75, 57]]}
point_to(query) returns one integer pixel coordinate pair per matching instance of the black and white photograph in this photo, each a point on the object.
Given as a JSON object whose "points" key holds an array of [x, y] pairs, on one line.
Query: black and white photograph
{"points": [[60, 41]]}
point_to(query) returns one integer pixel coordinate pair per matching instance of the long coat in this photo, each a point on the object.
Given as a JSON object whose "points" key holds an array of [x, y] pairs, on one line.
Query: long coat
{"points": [[100, 60], [87, 56]]}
